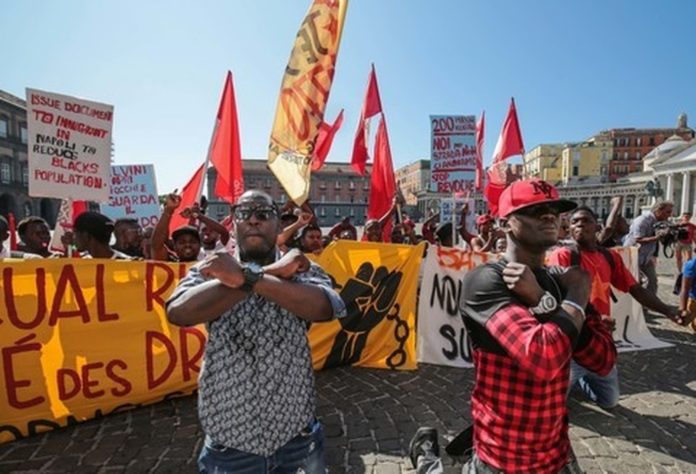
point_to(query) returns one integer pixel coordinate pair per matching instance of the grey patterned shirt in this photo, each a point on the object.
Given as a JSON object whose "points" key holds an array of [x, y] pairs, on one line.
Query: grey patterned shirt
{"points": [[256, 386], [642, 226]]}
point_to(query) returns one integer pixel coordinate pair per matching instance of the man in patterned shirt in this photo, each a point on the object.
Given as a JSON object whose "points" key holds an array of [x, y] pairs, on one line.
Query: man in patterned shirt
{"points": [[256, 388], [526, 322]]}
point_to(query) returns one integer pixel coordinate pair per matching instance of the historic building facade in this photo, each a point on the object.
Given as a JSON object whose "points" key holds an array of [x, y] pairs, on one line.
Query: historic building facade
{"points": [[14, 169], [631, 145], [336, 191]]}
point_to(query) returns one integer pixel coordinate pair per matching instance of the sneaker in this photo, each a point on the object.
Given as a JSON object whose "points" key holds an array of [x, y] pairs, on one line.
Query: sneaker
{"points": [[424, 442]]}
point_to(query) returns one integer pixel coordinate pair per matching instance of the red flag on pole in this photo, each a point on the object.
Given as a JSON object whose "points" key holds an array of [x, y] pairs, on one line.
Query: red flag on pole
{"points": [[480, 132], [510, 139], [371, 107], [190, 193], [382, 181], [225, 154], [13, 231], [509, 144], [324, 141]]}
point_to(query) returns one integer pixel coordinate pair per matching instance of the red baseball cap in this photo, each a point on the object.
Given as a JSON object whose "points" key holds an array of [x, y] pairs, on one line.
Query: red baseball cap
{"points": [[531, 192], [484, 219]]}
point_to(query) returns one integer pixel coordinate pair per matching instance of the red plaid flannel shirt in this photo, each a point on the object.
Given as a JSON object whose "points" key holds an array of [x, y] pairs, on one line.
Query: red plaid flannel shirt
{"points": [[519, 401]]}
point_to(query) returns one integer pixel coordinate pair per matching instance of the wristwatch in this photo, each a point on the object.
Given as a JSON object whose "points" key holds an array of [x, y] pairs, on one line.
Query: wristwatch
{"points": [[547, 304], [252, 273]]}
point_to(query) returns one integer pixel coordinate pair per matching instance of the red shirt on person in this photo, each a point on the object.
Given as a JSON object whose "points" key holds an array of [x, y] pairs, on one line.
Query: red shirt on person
{"points": [[603, 276], [522, 371]]}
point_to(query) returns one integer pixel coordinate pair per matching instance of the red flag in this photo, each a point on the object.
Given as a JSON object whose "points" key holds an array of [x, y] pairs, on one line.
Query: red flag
{"points": [[189, 195], [13, 231], [78, 207], [225, 154], [382, 181], [371, 107], [480, 132], [510, 139], [509, 144], [324, 141]]}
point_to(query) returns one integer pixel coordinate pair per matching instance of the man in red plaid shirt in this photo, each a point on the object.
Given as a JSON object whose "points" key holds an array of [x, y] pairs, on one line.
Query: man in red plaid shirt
{"points": [[526, 322]]}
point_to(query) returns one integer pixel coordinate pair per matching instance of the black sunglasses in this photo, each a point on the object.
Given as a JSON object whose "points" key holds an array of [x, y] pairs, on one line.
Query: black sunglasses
{"points": [[537, 211], [262, 213]]}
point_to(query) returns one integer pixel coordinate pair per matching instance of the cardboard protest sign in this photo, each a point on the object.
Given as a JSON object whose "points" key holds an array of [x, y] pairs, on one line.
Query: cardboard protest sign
{"points": [[133, 193], [453, 153], [69, 146]]}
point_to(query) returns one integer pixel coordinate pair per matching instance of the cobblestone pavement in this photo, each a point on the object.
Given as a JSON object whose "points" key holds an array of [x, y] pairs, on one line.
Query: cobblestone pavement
{"points": [[370, 415]]}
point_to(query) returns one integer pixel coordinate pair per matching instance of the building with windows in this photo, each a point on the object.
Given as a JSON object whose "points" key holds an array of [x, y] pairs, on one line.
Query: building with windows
{"points": [[544, 162], [336, 191], [413, 178], [630, 145], [414, 181], [587, 161], [14, 169]]}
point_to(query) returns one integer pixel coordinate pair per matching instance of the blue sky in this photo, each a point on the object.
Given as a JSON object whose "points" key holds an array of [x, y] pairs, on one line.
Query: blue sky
{"points": [[574, 68]]}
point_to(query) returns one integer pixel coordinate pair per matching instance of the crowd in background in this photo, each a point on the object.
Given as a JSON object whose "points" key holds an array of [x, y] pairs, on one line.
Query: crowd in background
{"points": [[94, 235]]}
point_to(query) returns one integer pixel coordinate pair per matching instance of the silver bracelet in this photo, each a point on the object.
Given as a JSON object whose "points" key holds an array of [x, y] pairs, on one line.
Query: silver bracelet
{"points": [[574, 305]]}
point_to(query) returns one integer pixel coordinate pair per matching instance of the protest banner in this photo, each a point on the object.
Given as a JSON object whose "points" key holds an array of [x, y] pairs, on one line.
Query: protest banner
{"points": [[69, 146], [453, 153], [84, 338], [133, 194], [378, 283], [442, 337]]}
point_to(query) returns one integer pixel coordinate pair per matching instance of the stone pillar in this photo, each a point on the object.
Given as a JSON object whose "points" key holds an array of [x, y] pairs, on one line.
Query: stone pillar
{"points": [[636, 206], [669, 191], [686, 185]]}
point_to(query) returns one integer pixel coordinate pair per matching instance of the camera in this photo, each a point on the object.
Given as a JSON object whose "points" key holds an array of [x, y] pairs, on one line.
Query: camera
{"points": [[672, 233]]}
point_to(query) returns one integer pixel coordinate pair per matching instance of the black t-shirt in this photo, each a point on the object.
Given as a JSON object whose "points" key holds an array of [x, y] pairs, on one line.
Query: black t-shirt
{"points": [[484, 293]]}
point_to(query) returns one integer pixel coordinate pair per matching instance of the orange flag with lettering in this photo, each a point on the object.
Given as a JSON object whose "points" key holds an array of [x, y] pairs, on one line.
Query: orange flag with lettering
{"points": [[304, 94]]}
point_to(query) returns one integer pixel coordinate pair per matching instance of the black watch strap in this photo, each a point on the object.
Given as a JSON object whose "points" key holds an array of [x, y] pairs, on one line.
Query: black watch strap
{"points": [[252, 274]]}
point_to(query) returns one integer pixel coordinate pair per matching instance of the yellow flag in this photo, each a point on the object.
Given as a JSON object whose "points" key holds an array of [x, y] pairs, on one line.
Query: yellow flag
{"points": [[304, 93]]}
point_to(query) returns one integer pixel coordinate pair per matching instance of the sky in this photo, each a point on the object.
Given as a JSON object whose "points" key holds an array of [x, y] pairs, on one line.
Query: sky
{"points": [[574, 68]]}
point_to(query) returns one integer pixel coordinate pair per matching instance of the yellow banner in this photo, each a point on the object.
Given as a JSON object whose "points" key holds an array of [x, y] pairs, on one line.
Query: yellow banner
{"points": [[378, 283], [80, 339], [304, 93]]}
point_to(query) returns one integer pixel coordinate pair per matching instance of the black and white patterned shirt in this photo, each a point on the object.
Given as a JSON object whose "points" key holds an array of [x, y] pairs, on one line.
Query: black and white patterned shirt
{"points": [[256, 386]]}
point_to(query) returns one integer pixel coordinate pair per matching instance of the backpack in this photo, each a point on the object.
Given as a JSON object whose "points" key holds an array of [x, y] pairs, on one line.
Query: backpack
{"points": [[575, 261]]}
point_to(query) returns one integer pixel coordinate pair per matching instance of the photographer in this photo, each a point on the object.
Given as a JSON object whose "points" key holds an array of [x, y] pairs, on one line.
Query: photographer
{"points": [[643, 232]]}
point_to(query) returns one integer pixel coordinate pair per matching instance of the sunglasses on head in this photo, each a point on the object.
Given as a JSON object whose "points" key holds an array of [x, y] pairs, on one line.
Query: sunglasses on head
{"points": [[262, 213], [537, 211]]}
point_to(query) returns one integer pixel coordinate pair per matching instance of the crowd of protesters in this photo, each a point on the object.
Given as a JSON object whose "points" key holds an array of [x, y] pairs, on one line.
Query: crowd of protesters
{"points": [[540, 316]]}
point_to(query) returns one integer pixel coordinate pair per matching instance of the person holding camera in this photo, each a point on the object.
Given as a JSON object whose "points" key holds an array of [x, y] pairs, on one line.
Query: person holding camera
{"points": [[526, 322], [643, 232]]}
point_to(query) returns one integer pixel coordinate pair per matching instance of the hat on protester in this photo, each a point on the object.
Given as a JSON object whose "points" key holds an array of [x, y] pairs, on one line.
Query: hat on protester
{"points": [[484, 219], [95, 224], [443, 230], [184, 230], [531, 192]]}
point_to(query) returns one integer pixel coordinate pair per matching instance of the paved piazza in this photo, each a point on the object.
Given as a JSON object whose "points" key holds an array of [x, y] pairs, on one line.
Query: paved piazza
{"points": [[370, 415]]}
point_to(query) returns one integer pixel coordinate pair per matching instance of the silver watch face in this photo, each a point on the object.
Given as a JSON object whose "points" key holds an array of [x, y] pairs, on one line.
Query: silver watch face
{"points": [[254, 268], [548, 303]]}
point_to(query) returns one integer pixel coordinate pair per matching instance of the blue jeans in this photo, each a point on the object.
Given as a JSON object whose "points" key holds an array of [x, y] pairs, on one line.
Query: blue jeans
{"points": [[604, 391], [304, 453]]}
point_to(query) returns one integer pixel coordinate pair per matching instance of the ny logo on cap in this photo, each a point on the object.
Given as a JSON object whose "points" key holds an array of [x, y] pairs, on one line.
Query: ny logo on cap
{"points": [[542, 187]]}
